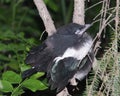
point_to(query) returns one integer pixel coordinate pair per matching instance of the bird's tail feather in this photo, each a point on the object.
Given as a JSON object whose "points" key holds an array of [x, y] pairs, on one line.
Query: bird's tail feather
{"points": [[29, 73]]}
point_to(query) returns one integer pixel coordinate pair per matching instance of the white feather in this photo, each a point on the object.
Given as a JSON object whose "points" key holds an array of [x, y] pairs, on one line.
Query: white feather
{"points": [[79, 53]]}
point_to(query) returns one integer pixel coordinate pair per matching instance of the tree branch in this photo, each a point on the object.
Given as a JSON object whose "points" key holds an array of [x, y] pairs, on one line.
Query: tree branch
{"points": [[78, 17], [44, 14], [78, 14]]}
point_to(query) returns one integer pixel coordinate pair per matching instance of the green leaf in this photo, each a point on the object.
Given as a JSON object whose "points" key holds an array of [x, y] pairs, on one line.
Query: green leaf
{"points": [[34, 85], [8, 34], [52, 5], [24, 67], [37, 75], [3, 57], [13, 65], [2, 46], [5, 86], [12, 77], [17, 92], [6, 1]]}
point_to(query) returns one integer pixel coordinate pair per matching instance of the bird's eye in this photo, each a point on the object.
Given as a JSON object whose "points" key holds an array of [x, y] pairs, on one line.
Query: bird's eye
{"points": [[78, 32]]}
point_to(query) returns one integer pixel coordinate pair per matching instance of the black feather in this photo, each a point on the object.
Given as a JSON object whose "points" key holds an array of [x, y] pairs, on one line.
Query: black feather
{"points": [[28, 73], [42, 58], [62, 71], [39, 57]]}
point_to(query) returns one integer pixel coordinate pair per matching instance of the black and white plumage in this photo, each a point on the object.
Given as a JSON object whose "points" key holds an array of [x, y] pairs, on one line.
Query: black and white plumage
{"points": [[62, 56]]}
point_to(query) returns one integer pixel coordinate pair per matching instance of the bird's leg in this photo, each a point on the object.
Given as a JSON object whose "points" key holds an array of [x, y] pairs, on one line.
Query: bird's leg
{"points": [[73, 82], [64, 92]]}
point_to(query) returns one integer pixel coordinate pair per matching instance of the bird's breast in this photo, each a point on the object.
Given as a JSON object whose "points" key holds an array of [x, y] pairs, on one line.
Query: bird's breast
{"points": [[78, 53]]}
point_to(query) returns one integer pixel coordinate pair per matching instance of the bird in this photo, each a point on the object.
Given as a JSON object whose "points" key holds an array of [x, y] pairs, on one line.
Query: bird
{"points": [[66, 54]]}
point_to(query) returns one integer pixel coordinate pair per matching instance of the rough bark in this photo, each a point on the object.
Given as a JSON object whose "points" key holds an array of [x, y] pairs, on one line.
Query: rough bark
{"points": [[78, 14], [44, 14]]}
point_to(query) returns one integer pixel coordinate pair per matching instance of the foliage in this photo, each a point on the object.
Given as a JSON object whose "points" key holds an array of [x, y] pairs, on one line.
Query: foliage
{"points": [[13, 42], [20, 29], [9, 78], [106, 78], [16, 31]]}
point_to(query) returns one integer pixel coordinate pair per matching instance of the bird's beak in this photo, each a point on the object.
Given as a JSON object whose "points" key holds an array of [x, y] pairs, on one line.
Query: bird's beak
{"points": [[86, 27]]}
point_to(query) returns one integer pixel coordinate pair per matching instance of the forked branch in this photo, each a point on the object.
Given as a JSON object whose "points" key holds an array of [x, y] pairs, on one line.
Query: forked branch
{"points": [[78, 17]]}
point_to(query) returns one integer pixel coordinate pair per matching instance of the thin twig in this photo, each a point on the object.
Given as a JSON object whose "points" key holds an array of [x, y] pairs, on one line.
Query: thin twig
{"points": [[116, 63], [93, 5], [42, 35], [103, 23], [102, 12]]}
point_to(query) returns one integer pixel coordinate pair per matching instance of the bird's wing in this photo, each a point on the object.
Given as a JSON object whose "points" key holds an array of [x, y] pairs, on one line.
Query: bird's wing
{"points": [[66, 65], [33, 55], [61, 72], [85, 66], [39, 57], [42, 56]]}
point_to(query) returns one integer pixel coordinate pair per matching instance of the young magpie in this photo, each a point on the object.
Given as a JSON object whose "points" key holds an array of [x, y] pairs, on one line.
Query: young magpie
{"points": [[66, 54]]}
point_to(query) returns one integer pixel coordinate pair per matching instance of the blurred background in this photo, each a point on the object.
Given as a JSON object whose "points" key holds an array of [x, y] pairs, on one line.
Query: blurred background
{"points": [[20, 30]]}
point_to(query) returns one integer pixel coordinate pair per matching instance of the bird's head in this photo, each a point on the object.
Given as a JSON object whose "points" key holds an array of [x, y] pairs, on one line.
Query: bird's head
{"points": [[73, 29]]}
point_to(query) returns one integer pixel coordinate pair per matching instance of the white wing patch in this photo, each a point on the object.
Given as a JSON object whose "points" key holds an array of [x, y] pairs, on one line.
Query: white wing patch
{"points": [[79, 53]]}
